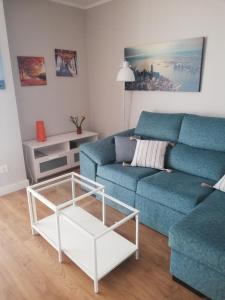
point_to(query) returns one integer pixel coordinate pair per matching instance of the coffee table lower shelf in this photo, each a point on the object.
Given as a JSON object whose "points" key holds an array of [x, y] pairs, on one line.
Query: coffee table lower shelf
{"points": [[111, 248]]}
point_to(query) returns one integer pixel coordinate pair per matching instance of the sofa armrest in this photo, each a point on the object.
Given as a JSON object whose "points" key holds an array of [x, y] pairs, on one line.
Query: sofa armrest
{"points": [[103, 150]]}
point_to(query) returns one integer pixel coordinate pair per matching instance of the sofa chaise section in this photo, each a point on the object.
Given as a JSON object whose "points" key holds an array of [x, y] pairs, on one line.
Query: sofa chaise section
{"points": [[198, 241], [198, 247]]}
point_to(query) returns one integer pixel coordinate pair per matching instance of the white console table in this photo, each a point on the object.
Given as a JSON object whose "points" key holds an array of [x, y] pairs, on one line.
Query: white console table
{"points": [[56, 154]]}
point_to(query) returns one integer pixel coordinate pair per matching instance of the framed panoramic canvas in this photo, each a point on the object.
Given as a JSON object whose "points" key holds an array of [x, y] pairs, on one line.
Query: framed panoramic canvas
{"points": [[32, 70], [171, 66], [66, 63], [2, 79]]}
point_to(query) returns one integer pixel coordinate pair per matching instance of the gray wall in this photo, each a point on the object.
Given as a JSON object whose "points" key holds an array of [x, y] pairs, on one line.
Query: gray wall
{"points": [[10, 145], [122, 23], [36, 28]]}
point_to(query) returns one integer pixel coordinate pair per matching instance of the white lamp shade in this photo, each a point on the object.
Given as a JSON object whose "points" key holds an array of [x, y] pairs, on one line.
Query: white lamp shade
{"points": [[125, 74]]}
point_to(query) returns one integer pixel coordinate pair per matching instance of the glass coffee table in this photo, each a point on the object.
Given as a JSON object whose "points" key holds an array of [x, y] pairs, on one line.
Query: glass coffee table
{"points": [[79, 226]]}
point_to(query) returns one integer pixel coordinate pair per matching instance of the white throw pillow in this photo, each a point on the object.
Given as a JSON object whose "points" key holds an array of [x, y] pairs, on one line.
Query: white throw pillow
{"points": [[220, 185], [149, 153]]}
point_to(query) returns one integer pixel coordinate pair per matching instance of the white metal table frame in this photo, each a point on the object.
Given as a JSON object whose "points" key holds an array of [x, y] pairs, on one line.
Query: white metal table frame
{"points": [[95, 189]]}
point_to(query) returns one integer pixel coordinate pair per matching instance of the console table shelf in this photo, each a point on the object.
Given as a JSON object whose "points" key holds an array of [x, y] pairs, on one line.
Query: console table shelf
{"points": [[56, 154]]}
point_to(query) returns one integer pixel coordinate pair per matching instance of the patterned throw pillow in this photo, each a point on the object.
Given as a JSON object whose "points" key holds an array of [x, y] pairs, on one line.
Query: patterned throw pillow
{"points": [[220, 185], [149, 153]]}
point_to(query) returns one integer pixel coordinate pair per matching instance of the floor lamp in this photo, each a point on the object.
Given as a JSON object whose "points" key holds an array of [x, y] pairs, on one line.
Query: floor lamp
{"points": [[125, 74]]}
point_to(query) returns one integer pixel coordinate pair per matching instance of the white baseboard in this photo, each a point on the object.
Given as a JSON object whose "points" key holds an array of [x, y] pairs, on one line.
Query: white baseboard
{"points": [[13, 187]]}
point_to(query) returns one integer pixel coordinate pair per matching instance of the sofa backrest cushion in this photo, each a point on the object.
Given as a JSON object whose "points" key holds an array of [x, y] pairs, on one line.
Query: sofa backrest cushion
{"points": [[200, 162], [159, 126], [203, 132]]}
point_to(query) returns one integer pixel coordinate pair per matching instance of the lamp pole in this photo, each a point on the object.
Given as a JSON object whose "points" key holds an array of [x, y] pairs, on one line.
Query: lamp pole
{"points": [[124, 108], [124, 75]]}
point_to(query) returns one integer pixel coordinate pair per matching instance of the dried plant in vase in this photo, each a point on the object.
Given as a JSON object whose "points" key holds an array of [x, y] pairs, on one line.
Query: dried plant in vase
{"points": [[78, 121]]}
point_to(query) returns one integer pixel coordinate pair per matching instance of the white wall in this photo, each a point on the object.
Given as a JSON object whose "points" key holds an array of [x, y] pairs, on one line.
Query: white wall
{"points": [[121, 23], [10, 148], [36, 28]]}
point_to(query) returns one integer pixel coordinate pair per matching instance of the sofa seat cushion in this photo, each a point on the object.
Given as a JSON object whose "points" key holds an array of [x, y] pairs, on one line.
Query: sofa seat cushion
{"points": [[177, 190], [124, 176], [201, 234]]}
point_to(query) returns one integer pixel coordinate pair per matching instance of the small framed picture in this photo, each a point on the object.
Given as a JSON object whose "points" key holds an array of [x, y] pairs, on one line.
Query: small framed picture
{"points": [[66, 63], [32, 70]]}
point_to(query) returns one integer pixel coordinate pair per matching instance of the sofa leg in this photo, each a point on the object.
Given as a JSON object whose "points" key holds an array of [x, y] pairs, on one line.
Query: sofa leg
{"points": [[189, 288]]}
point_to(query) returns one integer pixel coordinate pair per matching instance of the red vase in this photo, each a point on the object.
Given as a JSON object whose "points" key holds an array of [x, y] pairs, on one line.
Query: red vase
{"points": [[40, 131], [79, 130]]}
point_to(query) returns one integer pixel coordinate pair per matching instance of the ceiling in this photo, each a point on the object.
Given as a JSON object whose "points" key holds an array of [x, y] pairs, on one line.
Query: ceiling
{"points": [[84, 4]]}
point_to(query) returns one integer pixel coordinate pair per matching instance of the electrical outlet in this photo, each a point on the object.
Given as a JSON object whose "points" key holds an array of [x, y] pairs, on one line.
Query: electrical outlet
{"points": [[3, 169]]}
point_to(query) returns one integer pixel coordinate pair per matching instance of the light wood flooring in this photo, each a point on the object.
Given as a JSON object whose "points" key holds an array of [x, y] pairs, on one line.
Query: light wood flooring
{"points": [[29, 268]]}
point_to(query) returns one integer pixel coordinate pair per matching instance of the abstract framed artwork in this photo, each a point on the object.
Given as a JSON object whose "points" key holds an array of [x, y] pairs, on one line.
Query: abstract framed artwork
{"points": [[170, 66], [32, 70], [66, 63], [2, 79]]}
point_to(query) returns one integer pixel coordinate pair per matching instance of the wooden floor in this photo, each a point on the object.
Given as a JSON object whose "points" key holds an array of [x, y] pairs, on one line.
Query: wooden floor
{"points": [[29, 267]]}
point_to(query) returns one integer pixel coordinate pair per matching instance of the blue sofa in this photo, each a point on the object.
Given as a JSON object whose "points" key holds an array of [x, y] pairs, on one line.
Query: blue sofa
{"points": [[175, 204]]}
